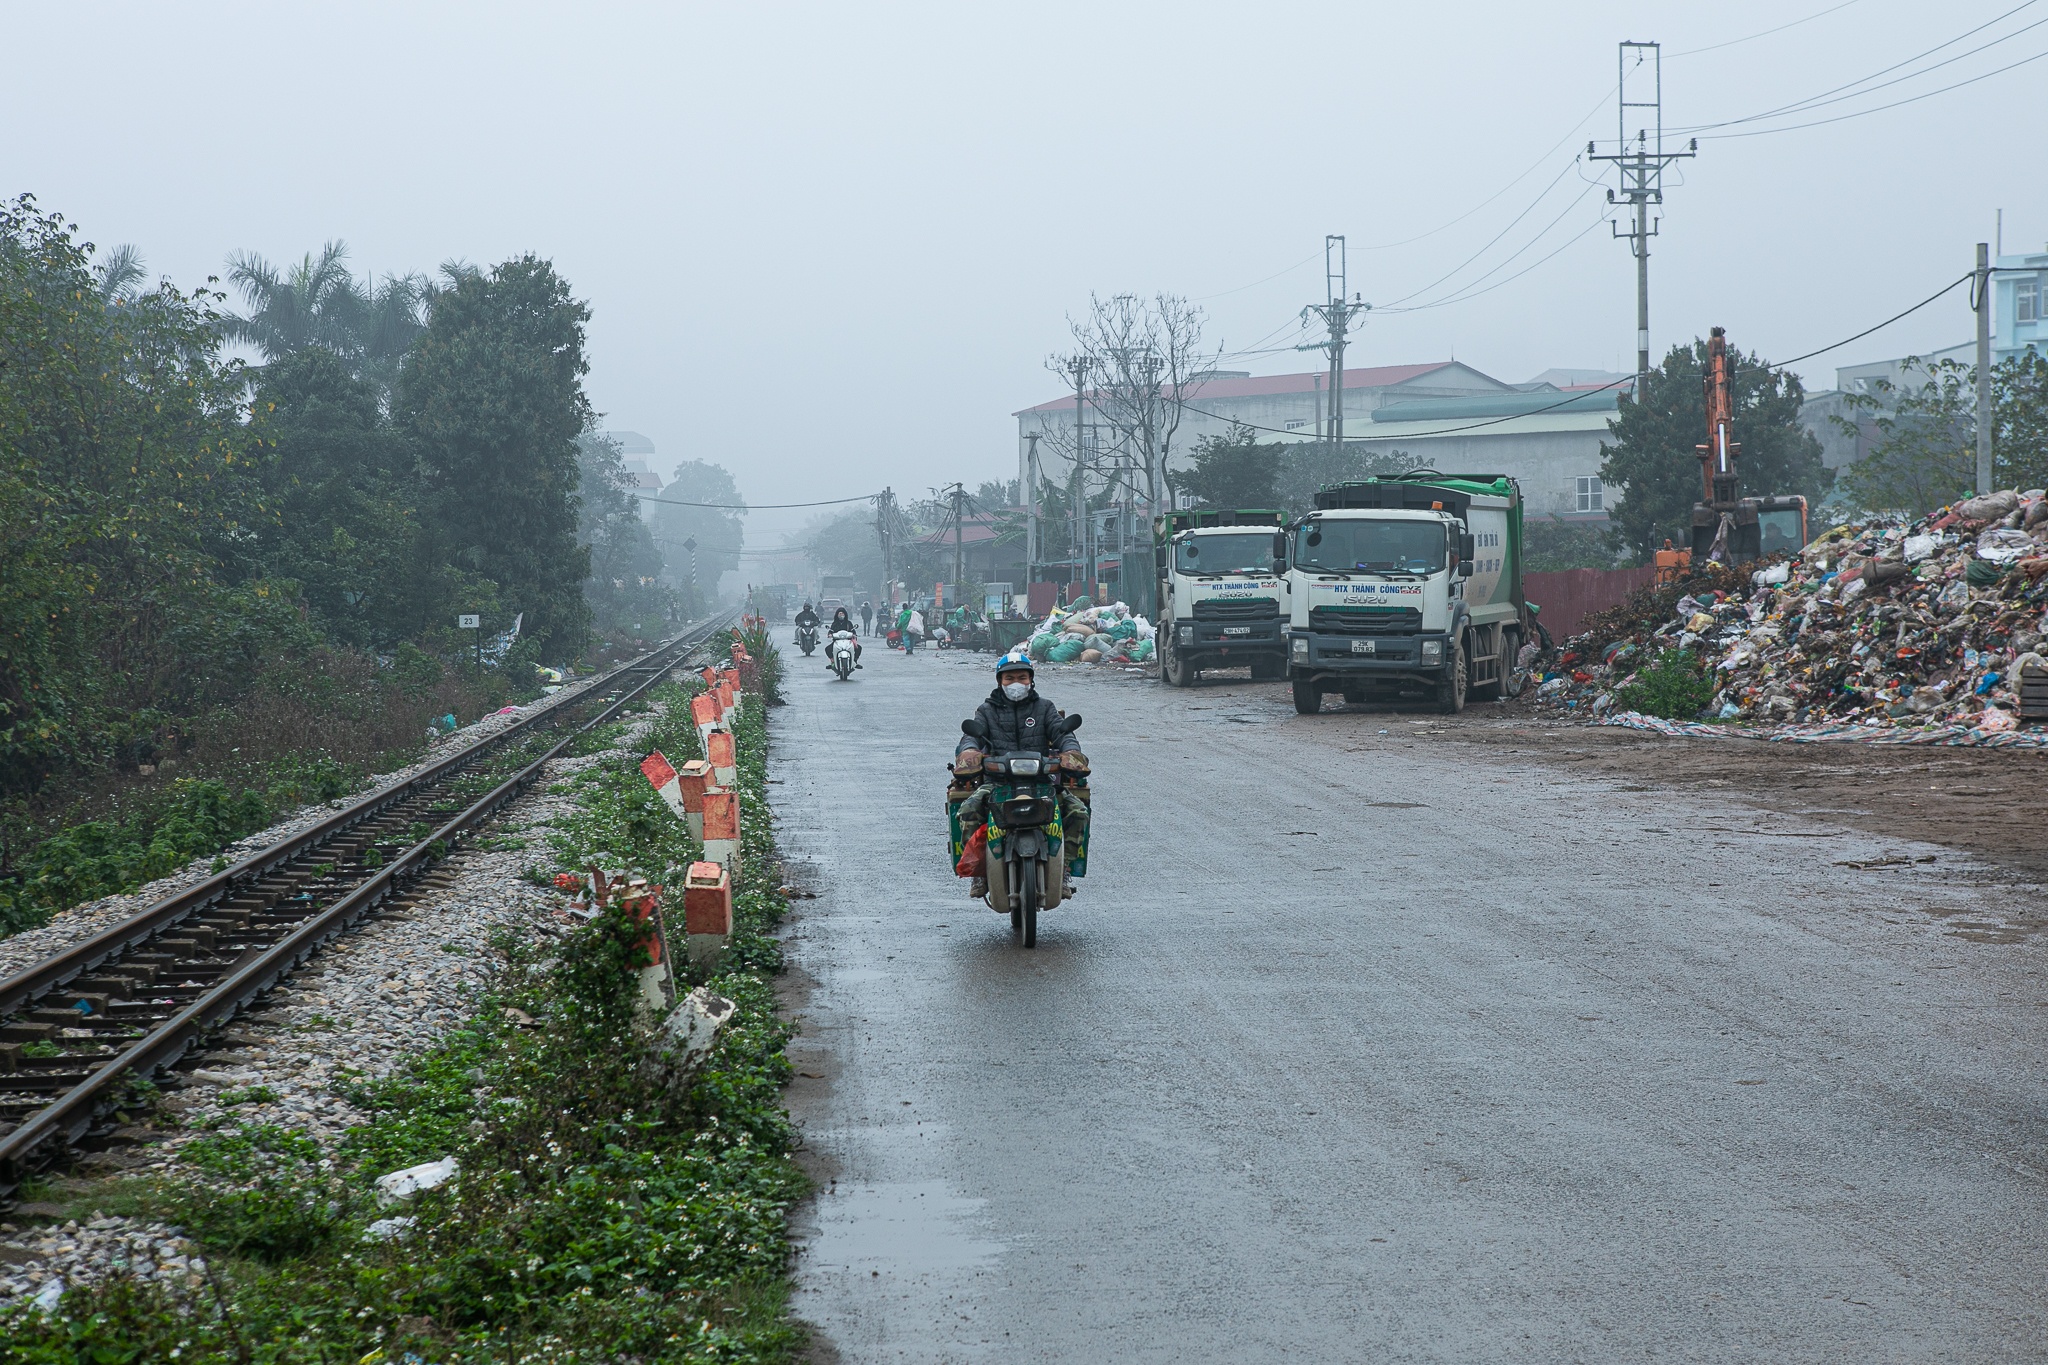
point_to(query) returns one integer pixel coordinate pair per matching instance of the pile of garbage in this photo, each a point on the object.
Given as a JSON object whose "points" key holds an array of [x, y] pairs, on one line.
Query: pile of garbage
{"points": [[1085, 633], [1879, 625]]}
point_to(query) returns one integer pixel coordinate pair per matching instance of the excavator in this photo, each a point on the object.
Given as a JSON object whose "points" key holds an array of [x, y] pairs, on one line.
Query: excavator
{"points": [[1728, 528]]}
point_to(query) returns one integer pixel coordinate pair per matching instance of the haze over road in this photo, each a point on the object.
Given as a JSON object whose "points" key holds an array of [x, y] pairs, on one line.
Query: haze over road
{"points": [[1355, 1049]]}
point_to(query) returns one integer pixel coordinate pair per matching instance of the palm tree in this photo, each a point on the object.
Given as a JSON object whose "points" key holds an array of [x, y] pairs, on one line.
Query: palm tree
{"points": [[119, 274], [311, 304], [318, 302]]}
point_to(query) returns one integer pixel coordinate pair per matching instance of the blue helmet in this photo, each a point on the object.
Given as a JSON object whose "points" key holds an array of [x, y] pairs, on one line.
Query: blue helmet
{"points": [[1013, 661]]}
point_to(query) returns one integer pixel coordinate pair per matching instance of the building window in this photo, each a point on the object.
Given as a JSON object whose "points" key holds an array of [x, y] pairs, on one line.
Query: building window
{"points": [[1589, 495], [1296, 423], [2026, 299]]}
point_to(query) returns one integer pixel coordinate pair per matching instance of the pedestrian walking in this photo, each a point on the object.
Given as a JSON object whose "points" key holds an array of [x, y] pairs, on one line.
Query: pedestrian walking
{"points": [[867, 618]]}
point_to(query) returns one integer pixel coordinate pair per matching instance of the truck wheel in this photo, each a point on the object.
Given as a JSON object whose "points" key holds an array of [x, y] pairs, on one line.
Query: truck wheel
{"points": [[1450, 694], [1172, 668], [1308, 698]]}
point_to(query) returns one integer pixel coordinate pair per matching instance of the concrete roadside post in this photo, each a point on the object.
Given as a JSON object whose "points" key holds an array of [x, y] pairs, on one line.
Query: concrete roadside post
{"points": [[722, 828], [695, 779], [657, 985], [666, 781], [704, 715], [707, 911], [724, 757]]}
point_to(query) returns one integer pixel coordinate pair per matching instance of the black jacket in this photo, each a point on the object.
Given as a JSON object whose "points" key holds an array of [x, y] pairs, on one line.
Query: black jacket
{"points": [[807, 617], [1017, 727], [841, 620]]}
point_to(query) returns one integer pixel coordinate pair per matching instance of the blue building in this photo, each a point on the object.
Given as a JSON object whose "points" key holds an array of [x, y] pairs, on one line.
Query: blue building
{"points": [[2019, 313]]}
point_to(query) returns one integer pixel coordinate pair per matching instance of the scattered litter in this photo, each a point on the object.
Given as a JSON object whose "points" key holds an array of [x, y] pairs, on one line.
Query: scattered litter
{"points": [[1879, 631], [1897, 860], [402, 1185]]}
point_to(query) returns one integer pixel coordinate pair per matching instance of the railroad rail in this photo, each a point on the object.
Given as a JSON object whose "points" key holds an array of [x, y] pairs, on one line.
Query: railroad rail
{"points": [[79, 1028]]}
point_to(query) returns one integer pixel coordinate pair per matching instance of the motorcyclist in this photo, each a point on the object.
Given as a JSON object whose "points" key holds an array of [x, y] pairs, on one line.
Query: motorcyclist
{"points": [[842, 619], [807, 619], [1018, 720]]}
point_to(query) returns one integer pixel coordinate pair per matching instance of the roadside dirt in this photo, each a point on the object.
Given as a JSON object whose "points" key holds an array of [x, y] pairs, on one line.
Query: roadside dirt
{"points": [[1989, 802]]}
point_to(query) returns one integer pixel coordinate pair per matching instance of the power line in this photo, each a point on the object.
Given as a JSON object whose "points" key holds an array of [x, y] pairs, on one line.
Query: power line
{"points": [[1735, 42], [1469, 293], [1815, 101], [1540, 197], [1878, 109], [1460, 294], [753, 507]]}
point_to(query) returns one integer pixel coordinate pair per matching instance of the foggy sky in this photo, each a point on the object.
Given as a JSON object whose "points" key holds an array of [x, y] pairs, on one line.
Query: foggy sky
{"points": [[830, 245]]}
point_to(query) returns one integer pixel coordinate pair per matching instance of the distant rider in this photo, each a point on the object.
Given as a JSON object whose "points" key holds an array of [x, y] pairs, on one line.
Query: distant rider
{"points": [[842, 619], [807, 619], [1018, 721]]}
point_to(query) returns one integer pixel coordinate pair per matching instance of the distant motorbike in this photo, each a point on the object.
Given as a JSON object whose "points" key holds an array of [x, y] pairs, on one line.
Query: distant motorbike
{"points": [[1026, 846], [842, 654], [807, 639]]}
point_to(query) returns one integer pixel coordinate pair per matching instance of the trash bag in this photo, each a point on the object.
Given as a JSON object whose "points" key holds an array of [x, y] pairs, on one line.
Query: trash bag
{"points": [[1041, 645], [1987, 508], [1080, 604], [1091, 656], [1141, 652], [1066, 651], [974, 858], [1101, 644], [1124, 629]]}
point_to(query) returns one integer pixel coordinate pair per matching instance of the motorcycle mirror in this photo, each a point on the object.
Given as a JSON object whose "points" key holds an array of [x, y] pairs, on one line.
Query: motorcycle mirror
{"points": [[1071, 724], [973, 728]]}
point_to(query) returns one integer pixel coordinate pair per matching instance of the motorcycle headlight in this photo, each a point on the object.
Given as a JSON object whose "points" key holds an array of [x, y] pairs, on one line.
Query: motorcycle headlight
{"points": [[1432, 651], [1025, 767]]}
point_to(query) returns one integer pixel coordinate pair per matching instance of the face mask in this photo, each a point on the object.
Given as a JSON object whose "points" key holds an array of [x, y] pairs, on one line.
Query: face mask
{"points": [[1016, 691]]}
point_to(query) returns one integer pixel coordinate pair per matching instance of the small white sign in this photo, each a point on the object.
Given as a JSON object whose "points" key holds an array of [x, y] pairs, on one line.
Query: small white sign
{"points": [[468, 621]]}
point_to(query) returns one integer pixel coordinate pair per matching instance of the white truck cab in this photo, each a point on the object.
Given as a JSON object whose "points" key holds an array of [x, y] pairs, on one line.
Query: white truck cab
{"points": [[1221, 605], [1404, 586]]}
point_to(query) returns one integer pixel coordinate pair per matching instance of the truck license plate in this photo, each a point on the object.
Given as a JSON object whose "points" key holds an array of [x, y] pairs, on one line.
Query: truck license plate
{"points": [[1237, 630], [1365, 646]]}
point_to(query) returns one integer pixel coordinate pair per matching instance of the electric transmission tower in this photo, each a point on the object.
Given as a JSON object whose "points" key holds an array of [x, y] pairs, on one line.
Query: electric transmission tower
{"points": [[1338, 316], [1641, 164]]}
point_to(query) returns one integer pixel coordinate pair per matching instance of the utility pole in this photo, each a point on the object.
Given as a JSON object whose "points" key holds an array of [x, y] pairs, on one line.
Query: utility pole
{"points": [[1029, 492], [1338, 315], [1642, 173], [1982, 290], [884, 503], [958, 492]]}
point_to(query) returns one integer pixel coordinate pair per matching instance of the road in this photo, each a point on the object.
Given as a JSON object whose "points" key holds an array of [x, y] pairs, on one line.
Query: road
{"points": [[1355, 1049]]}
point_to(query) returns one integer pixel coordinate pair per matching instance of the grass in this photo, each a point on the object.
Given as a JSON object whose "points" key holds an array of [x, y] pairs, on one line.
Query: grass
{"points": [[1673, 686], [605, 1211]]}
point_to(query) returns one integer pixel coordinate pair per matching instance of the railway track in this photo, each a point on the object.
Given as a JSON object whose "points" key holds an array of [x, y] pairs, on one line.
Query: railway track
{"points": [[81, 1028]]}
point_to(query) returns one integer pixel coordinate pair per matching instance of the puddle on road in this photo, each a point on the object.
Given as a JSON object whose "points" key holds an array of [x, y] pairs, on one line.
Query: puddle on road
{"points": [[918, 1228]]}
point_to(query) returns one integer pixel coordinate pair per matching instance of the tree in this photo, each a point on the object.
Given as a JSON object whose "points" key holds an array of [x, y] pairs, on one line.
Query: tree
{"points": [[1654, 461], [717, 529], [317, 302], [493, 398], [345, 492], [1926, 454], [127, 482], [625, 590], [1308, 467], [1144, 360], [846, 542], [1232, 470]]}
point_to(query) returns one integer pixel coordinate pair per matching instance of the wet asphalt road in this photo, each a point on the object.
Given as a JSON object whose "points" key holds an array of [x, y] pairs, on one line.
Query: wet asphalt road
{"points": [[1354, 1051]]}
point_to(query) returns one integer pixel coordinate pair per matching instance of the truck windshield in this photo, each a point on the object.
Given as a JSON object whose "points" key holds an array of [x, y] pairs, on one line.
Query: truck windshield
{"points": [[1414, 547], [1250, 552]]}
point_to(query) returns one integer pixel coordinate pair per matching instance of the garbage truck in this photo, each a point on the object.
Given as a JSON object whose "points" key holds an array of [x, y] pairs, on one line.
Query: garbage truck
{"points": [[1409, 586], [1220, 603]]}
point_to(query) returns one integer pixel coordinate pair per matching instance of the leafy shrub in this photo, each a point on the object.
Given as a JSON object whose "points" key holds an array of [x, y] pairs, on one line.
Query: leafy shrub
{"points": [[269, 1193], [1673, 686]]}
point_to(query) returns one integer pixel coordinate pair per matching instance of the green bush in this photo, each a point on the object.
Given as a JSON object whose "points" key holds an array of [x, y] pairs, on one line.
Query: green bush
{"points": [[1673, 686]]}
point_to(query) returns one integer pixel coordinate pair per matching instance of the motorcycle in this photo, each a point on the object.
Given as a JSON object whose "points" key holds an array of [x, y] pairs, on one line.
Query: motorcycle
{"points": [[1026, 847], [842, 654], [807, 639]]}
